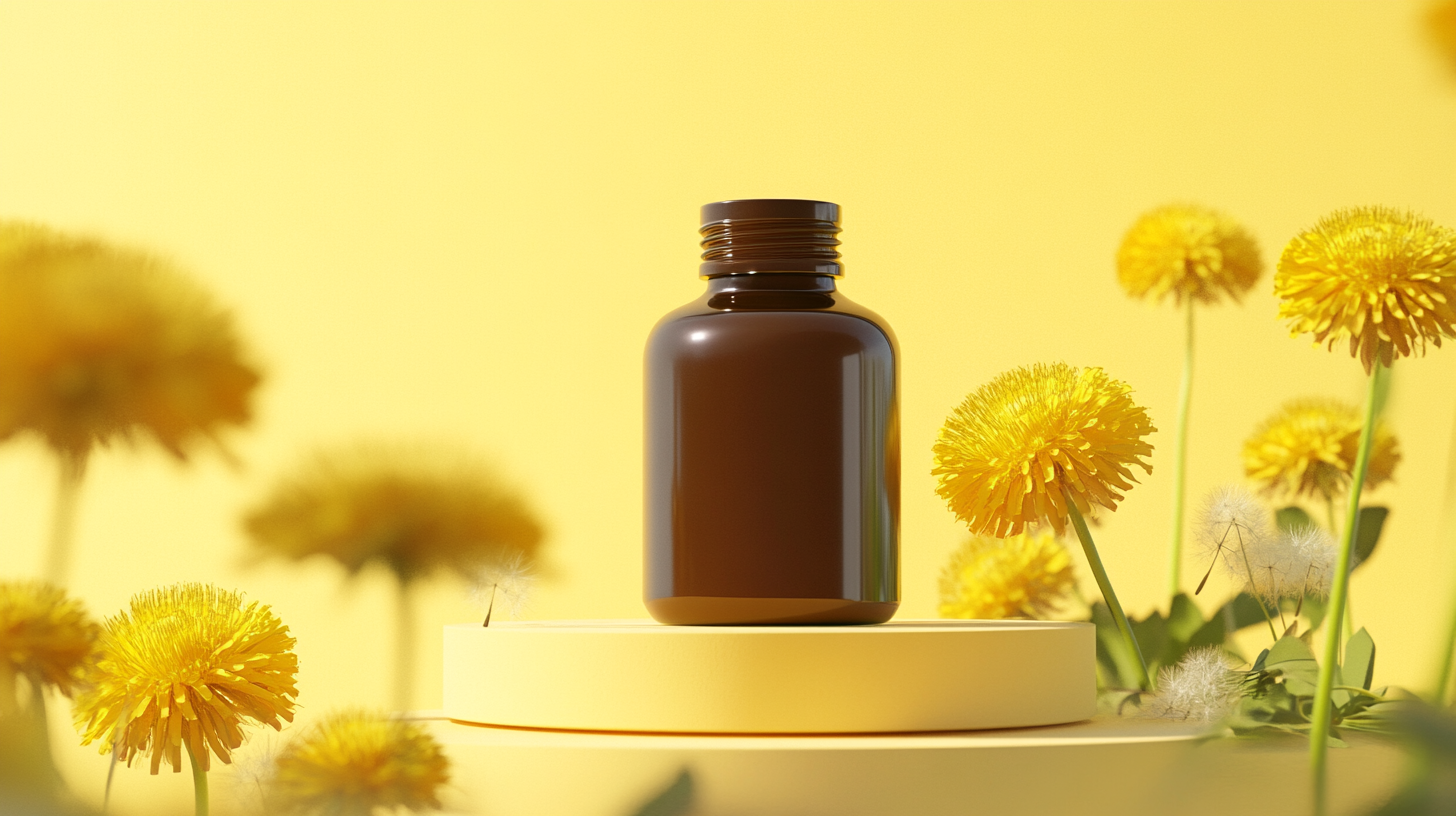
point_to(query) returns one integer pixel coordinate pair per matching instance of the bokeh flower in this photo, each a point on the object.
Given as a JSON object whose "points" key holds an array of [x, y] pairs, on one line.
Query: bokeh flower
{"points": [[412, 510], [1308, 447], [1010, 453], [1188, 251], [45, 636], [1024, 576], [354, 763], [1441, 25], [187, 665], [1199, 688], [99, 343], [1382, 278]]}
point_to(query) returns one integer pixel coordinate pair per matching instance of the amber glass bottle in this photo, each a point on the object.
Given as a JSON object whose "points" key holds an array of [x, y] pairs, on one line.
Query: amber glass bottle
{"points": [[773, 437]]}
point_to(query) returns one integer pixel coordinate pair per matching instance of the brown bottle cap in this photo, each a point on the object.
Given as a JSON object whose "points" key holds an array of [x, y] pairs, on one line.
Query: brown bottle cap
{"points": [[765, 235]]}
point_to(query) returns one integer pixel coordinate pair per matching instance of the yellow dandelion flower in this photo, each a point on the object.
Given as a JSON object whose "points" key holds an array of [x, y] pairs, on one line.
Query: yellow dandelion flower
{"points": [[1188, 251], [1380, 277], [1024, 576], [45, 636], [355, 762], [1307, 448], [1007, 453], [99, 343], [191, 664], [1441, 25], [409, 509]]}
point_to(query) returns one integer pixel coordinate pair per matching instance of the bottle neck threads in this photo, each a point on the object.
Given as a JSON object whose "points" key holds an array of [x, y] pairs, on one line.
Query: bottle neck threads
{"points": [[770, 235]]}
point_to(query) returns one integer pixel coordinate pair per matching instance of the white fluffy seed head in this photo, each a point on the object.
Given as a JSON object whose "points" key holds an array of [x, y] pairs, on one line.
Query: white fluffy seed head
{"points": [[1312, 550], [506, 583], [1232, 528], [1201, 688]]}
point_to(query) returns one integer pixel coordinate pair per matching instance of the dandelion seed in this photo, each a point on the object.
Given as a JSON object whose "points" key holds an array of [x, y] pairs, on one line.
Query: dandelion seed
{"points": [[505, 583], [1233, 524], [1200, 688]]}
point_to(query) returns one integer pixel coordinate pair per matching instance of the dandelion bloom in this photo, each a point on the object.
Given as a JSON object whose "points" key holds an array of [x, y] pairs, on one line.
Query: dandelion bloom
{"points": [[45, 636], [1307, 448], [99, 343], [189, 664], [354, 763], [1024, 576], [1010, 453], [409, 509], [1382, 278], [1188, 251]]}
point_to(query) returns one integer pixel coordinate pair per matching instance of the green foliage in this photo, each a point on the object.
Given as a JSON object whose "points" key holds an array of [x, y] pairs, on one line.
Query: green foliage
{"points": [[1279, 690], [1165, 640], [1292, 518], [674, 800]]}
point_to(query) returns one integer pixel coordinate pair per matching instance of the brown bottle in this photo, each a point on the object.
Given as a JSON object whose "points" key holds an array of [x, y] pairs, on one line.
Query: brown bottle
{"points": [[773, 437]]}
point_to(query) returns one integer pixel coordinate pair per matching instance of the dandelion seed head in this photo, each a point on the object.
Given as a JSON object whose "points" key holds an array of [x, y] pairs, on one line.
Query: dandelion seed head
{"points": [[1200, 688]]}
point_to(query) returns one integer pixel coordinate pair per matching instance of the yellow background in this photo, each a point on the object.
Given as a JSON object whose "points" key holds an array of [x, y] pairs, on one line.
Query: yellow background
{"points": [[458, 222]]}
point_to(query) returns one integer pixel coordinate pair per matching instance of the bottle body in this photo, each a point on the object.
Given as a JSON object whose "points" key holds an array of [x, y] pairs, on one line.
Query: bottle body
{"points": [[772, 457]]}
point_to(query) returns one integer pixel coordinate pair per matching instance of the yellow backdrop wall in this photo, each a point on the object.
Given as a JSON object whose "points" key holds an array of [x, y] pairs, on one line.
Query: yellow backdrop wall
{"points": [[458, 221]]}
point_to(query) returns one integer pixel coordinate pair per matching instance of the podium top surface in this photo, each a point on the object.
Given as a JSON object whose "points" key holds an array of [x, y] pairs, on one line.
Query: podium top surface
{"points": [[650, 627]]}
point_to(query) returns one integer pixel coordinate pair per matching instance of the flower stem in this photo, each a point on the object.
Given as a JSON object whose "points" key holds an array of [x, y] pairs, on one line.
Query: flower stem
{"points": [[1320, 718], [404, 649], [199, 781], [1180, 459], [63, 516], [1441, 689], [1105, 584]]}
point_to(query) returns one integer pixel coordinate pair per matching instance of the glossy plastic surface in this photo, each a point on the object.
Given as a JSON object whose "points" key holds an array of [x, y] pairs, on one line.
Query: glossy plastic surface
{"points": [[772, 457]]}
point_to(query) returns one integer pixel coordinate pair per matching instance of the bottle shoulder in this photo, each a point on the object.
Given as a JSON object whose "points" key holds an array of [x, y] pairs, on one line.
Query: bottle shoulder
{"points": [[824, 312]]}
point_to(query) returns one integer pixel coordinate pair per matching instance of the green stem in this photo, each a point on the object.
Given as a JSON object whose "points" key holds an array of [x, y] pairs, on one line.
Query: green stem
{"points": [[1249, 571], [63, 516], [1105, 584], [404, 649], [199, 782], [1180, 459], [1441, 689], [1322, 715]]}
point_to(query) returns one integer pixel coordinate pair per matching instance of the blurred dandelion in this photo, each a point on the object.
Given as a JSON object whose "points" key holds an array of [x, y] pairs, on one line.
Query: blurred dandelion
{"points": [[1024, 576], [1199, 688], [45, 637], [1189, 252], [1441, 26], [1198, 255], [1308, 448], [356, 763], [1044, 443], [99, 344], [186, 667], [412, 510], [48, 639]]}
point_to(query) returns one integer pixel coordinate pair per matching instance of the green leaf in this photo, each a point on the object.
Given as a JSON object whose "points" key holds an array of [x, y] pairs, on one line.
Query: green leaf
{"points": [[1367, 532], [1118, 664], [674, 800], [1359, 660], [1314, 609], [1292, 518], [1152, 638], [1184, 618], [1294, 660], [1245, 610]]}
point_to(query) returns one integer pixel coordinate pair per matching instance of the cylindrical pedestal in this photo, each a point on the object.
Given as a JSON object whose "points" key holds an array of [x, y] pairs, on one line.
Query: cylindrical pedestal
{"points": [[646, 677]]}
